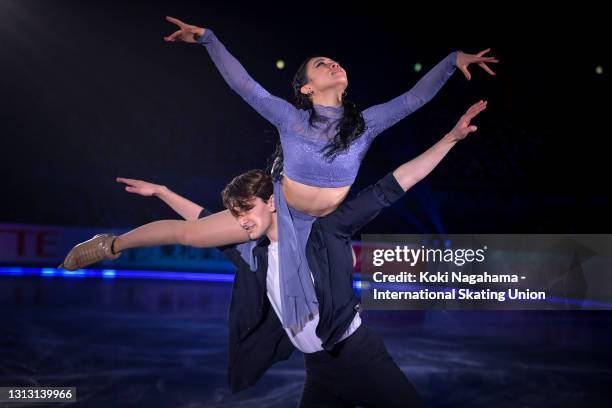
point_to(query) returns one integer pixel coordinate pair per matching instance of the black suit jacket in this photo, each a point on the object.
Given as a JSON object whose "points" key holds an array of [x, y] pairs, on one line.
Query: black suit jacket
{"points": [[257, 339]]}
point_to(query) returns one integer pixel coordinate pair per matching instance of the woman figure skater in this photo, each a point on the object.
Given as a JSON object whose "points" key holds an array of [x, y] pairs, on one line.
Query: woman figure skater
{"points": [[324, 137]]}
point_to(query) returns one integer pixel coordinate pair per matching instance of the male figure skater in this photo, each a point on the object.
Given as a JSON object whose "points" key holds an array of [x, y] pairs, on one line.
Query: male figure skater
{"points": [[347, 364]]}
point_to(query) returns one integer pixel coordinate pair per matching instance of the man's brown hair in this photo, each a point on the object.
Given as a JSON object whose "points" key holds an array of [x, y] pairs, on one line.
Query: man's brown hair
{"points": [[238, 194]]}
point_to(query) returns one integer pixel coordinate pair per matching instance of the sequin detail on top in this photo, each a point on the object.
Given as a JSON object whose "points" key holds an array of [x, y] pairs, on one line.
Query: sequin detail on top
{"points": [[302, 143]]}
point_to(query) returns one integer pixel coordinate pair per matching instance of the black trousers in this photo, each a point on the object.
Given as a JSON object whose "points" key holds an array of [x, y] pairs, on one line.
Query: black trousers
{"points": [[358, 372]]}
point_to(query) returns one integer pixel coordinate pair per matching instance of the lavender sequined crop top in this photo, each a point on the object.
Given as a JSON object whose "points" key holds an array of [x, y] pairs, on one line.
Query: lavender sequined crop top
{"points": [[302, 143]]}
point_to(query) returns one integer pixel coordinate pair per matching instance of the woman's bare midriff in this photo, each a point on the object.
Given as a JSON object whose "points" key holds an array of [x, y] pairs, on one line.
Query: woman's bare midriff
{"points": [[316, 201]]}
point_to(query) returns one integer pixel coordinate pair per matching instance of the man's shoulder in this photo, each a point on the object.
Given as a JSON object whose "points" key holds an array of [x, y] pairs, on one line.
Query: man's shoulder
{"points": [[382, 193], [363, 206]]}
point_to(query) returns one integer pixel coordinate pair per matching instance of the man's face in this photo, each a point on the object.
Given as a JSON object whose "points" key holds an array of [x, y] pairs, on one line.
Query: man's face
{"points": [[258, 220]]}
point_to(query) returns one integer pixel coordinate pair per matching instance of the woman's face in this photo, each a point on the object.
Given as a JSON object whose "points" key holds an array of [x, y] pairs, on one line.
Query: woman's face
{"points": [[324, 74]]}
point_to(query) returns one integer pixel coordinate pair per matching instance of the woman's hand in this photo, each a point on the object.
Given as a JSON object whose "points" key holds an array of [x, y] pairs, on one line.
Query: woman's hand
{"points": [[186, 32], [464, 60]]}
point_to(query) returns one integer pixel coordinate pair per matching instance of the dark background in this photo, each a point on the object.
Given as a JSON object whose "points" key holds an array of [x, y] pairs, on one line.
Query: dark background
{"points": [[90, 91]]}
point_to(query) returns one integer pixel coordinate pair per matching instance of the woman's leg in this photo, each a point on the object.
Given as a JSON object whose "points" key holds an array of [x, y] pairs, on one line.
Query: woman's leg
{"points": [[214, 230]]}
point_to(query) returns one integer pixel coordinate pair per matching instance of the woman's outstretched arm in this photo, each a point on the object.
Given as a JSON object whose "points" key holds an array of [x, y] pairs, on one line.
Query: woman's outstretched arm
{"points": [[385, 115], [274, 109]]}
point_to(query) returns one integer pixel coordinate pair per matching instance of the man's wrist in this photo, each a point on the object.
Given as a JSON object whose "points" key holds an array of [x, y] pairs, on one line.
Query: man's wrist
{"points": [[450, 138], [160, 191]]}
